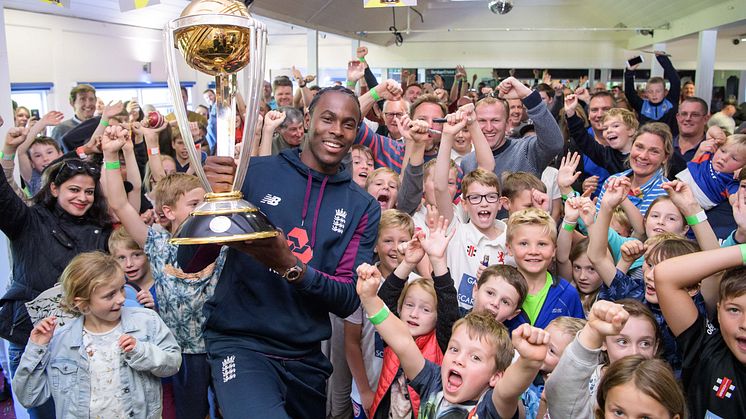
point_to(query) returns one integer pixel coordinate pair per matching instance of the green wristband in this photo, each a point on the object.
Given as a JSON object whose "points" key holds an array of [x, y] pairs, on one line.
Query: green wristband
{"points": [[693, 220], [112, 165], [742, 247], [104, 123], [572, 194], [379, 317], [351, 83], [374, 95], [362, 59], [568, 227], [8, 157]]}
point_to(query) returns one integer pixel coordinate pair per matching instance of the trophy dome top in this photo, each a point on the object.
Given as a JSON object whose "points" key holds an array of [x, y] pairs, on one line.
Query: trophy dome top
{"points": [[221, 7]]}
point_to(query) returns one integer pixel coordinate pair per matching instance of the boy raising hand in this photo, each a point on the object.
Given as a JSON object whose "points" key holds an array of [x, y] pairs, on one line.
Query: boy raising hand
{"points": [[476, 377]]}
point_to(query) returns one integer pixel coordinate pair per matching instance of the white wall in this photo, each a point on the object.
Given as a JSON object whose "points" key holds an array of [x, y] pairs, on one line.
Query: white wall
{"points": [[47, 48]]}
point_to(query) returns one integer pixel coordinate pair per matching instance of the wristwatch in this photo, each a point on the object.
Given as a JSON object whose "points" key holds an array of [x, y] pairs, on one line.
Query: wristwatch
{"points": [[294, 272]]}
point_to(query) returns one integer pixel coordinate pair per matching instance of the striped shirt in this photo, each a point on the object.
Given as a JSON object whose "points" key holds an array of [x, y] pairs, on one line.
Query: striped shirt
{"points": [[387, 151], [642, 197]]}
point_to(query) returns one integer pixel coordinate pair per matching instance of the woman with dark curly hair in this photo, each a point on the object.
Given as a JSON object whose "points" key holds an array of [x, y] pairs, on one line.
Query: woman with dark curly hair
{"points": [[69, 217]]}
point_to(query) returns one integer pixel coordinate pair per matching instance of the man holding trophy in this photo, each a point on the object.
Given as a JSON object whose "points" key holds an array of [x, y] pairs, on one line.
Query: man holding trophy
{"points": [[294, 250]]}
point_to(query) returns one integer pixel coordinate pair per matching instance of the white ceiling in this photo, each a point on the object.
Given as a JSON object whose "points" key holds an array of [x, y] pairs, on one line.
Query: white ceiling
{"points": [[444, 20], [154, 17]]}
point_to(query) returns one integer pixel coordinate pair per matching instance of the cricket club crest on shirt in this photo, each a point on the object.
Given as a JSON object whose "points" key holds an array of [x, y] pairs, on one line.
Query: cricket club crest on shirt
{"points": [[339, 221], [471, 251], [724, 388]]}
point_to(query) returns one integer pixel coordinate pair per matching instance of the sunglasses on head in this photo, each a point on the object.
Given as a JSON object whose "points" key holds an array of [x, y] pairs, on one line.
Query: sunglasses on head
{"points": [[77, 166]]}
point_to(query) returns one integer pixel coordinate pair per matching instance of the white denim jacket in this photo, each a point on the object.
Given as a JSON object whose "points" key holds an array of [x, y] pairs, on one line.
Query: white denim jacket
{"points": [[60, 369]]}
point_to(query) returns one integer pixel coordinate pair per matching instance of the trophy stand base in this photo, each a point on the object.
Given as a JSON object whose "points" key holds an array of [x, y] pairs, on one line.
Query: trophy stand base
{"points": [[224, 218]]}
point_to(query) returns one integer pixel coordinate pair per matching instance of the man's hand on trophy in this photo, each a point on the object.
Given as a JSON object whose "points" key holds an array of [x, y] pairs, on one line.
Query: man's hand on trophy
{"points": [[272, 252], [220, 172]]}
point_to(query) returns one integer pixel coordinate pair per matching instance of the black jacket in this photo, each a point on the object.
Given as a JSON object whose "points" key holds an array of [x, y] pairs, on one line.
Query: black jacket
{"points": [[42, 243]]}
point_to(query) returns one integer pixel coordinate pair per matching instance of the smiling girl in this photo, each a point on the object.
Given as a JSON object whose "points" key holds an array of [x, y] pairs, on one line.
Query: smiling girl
{"points": [[110, 355], [69, 217]]}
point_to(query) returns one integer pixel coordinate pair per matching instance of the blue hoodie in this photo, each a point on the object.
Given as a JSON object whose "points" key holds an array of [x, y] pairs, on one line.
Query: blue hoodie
{"points": [[331, 224], [562, 300]]}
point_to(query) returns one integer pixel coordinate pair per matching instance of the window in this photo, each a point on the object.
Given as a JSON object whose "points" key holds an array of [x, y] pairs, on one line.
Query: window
{"points": [[31, 95], [155, 94]]}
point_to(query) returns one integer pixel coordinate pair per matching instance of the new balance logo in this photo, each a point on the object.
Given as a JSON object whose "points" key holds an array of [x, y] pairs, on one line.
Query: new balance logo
{"points": [[340, 219], [229, 368], [710, 328], [270, 199]]}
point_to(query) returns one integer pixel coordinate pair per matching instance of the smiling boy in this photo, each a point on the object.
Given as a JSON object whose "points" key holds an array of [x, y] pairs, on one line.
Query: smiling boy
{"points": [[532, 240], [476, 377], [714, 353]]}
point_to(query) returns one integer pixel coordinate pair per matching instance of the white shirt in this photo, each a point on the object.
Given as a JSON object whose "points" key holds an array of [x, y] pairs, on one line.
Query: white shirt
{"points": [[467, 251], [420, 217], [549, 178], [458, 157], [104, 359]]}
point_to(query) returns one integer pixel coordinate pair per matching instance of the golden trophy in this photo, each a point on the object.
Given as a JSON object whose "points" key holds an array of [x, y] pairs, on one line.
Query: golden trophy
{"points": [[220, 38]]}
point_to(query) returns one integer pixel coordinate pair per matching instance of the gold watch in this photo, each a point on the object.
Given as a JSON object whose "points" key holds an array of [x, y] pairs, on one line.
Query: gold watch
{"points": [[294, 273]]}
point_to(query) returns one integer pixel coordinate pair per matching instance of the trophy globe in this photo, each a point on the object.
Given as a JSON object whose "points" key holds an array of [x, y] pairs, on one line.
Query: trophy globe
{"points": [[221, 39]]}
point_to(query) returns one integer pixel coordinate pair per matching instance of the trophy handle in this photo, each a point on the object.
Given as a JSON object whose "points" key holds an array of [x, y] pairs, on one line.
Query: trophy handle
{"points": [[174, 87], [254, 78]]}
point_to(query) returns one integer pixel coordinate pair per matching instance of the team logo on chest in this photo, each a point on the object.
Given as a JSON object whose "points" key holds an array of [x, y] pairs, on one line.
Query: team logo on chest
{"points": [[471, 251], [724, 388], [339, 221], [270, 199]]}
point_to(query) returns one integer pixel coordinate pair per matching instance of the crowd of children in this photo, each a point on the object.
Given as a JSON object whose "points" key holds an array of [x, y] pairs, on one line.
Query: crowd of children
{"points": [[508, 280]]}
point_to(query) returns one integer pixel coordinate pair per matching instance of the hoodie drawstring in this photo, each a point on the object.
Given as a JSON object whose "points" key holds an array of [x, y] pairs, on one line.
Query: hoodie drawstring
{"points": [[306, 201]]}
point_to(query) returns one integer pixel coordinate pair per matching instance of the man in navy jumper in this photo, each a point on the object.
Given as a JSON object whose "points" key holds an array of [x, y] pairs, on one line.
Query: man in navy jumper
{"points": [[264, 326]]}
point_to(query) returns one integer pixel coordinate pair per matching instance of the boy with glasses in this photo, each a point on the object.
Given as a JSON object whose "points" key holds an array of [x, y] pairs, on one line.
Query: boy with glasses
{"points": [[481, 240]]}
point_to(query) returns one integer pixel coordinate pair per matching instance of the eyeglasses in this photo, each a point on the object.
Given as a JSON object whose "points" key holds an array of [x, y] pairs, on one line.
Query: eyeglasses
{"points": [[476, 199], [693, 115], [77, 166], [393, 114]]}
